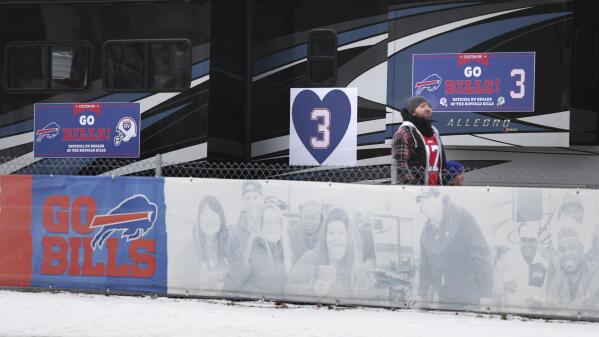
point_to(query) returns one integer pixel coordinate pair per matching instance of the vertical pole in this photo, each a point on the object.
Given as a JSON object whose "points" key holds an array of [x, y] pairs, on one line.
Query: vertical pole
{"points": [[393, 172], [249, 54], [158, 168]]}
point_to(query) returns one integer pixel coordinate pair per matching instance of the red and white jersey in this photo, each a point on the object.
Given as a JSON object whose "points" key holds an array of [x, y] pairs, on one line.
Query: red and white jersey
{"points": [[434, 159]]}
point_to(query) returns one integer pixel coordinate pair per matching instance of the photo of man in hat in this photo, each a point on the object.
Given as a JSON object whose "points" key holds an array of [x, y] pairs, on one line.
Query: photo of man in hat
{"points": [[455, 261]]}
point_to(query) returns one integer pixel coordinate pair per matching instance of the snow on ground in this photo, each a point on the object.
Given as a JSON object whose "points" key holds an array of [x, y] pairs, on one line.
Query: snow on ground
{"points": [[62, 314]]}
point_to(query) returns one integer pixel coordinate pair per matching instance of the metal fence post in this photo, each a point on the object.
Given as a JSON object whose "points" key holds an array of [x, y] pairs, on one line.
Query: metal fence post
{"points": [[393, 172], [158, 167]]}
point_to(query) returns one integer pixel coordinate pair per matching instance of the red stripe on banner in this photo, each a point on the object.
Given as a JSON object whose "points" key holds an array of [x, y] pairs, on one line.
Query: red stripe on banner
{"points": [[112, 219], [44, 131], [16, 248], [421, 84]]}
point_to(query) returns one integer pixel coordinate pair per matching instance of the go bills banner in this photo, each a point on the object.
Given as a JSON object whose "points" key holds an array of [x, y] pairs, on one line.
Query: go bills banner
{"points": [[484, 82], [514, 250], [323, 126], [96, 130], [84, 233]]}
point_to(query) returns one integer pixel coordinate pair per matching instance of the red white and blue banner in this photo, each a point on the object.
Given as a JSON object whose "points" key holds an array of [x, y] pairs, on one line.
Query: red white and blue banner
{"points": [[96, 130], [98, 233], [481, 82]]}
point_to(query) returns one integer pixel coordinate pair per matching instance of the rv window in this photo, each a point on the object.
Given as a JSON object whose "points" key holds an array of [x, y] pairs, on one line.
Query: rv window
{"points": [[124, 66], [170, 65], [147, 65], [69, 67], [43, 66], [26, 67], [322, 57]]}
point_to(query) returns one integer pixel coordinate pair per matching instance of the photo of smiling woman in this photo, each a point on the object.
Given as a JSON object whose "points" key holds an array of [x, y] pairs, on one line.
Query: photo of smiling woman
{"points": [[268, 257], [332, 270], [206, 256]]}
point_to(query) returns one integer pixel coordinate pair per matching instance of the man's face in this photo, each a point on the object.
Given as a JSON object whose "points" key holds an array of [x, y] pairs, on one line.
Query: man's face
{"points": [[423, 111], [253, 202], [570, 254], [310, 218], [432, 208], [573, 211], [528, 248]]}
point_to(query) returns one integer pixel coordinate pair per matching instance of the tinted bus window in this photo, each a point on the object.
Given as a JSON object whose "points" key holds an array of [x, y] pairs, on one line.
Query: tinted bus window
{"points": [[46, 67]]}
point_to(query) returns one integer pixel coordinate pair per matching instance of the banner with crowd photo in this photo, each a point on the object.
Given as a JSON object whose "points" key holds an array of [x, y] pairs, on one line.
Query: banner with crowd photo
{"points": [[92, 233], [514, 250]]}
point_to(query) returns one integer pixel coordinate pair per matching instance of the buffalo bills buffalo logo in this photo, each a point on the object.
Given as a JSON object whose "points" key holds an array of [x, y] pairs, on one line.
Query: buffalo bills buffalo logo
{"points": [[134, 218], [49, 131], [430, 84]]}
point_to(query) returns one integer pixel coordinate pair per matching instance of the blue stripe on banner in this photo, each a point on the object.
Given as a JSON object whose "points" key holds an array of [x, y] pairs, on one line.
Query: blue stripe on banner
{"points": [[400, 13]]}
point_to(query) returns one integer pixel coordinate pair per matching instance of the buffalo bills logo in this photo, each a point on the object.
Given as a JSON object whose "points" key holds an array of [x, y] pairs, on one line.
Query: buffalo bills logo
{"points": [[430, 84], [49, 131], [134, 218]]}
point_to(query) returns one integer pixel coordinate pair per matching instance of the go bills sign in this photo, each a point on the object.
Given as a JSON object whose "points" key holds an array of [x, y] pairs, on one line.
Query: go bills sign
{"points": [[96, 130], [98, 232], [483, 82]]}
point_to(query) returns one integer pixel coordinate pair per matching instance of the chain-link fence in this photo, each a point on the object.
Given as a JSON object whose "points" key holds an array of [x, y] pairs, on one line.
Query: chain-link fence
{"points": [[375, 174], [368, 174]]}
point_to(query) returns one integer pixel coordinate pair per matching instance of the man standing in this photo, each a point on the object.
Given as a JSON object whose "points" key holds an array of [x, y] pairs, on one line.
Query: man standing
{"points": [[417, 151], [307, 234], [455, 261]]}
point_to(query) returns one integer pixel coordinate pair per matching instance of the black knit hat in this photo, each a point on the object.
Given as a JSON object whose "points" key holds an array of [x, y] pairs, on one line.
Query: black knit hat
{"points": [[413, 102]]}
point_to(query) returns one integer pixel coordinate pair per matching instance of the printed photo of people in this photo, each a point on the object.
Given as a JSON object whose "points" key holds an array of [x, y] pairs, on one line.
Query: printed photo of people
{"points": [[517, 250]]}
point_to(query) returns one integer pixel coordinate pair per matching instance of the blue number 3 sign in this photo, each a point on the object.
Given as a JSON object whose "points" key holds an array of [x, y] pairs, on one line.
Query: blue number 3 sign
{"points": [[322, 124]]}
